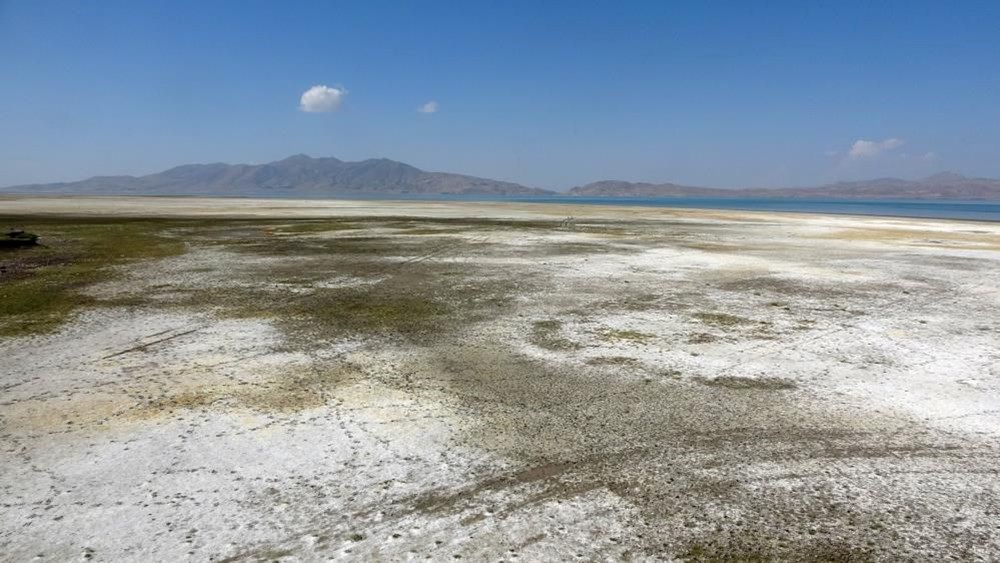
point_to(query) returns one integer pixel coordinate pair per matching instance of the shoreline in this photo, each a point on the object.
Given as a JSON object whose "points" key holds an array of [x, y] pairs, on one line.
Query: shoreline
{"points": [[198, 207]]}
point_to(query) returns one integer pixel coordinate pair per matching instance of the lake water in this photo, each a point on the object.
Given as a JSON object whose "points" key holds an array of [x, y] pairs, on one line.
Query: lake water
{"points": [[936, 209], [975, 210]]}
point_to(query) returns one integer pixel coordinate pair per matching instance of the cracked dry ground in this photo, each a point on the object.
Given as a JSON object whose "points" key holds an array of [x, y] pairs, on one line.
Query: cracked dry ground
{"points": [[692, 388]]}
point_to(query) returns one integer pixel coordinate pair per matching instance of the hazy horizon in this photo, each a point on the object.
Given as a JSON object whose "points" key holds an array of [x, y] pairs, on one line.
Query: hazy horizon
{"points": [[553, 96]]}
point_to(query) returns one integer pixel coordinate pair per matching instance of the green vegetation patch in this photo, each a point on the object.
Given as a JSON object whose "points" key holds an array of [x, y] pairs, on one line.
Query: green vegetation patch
{"points": [[382, 284], [370, 310], [735, 382], [547, 334], [722, 319], [299, 389], [307, 227], [702, 338], [612, 361], [627, 335], [39, 286], [746, 546]]}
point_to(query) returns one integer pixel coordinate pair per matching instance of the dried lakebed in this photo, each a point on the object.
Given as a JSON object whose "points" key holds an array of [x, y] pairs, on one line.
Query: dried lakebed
{"points": [[642, 384]]}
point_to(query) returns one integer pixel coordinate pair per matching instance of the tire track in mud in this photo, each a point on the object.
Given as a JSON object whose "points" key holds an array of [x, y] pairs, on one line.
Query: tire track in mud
{"points": [[144, 346]]}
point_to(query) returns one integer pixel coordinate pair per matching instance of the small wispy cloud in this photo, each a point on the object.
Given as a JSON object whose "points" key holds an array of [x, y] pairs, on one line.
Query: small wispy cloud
{"points": [[429, 107], [870, 149], [322, 98]]}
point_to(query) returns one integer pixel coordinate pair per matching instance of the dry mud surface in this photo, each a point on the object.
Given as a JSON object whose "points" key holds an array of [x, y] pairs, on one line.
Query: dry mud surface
{"points": [[388, 381]]}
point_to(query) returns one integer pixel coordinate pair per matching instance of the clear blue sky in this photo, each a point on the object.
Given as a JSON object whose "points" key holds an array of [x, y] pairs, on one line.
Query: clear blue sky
{"points": [[549, 94]]}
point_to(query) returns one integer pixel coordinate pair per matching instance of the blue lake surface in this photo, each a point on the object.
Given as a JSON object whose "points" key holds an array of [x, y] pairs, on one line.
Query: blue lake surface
{"points": [[974, 210], [936, 209]]}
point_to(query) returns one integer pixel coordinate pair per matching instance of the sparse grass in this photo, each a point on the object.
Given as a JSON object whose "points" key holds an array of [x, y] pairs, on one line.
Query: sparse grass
{"points": [[572, 248], [640, 302], [294, 391], [721, 319], [404, 291], [702, 338], [547, 334], [430, 231], [309, 388], [184, 400], [294, 246], [548, 325], [495, 223], [747, 547], [306, 227], [735, 382], [612, 361], [604, 229], [370, 310], [627, 335], [330, 312], [392, 287], [83, 252]]}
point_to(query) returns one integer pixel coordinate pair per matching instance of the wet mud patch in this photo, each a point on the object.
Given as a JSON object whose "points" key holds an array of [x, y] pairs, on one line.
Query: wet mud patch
{"points": [[20, 263], [368, 311], [778, 291], [579, 248], [722, 319], [763, 383], [295, 390], [575, 414], [318, 290], [625, 335], [671, 448], [703, 338], [734, 326], [548, 334], [613, 361], [745, 546], [636, 302]]}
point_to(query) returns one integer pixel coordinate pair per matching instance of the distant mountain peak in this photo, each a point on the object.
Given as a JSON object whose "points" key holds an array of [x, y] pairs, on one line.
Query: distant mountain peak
{"points": [[298, 174]]}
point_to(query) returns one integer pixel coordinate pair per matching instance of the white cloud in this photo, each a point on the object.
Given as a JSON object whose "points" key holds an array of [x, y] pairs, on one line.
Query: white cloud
{"points": [[870, 149], [322, 98], [429, 107]]}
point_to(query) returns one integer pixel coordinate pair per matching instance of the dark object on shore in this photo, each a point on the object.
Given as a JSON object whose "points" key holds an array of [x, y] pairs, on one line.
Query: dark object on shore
{"points": [[16, 238]]}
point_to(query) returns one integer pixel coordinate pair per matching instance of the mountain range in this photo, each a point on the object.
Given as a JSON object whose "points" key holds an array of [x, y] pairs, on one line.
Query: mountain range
{"points": [[945, 185], [297, 175], [303, 176]]}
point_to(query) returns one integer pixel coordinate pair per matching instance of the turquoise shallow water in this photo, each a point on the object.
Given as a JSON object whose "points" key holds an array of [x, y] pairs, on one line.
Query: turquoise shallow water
{"points": [[975, 210], [968, 210]]}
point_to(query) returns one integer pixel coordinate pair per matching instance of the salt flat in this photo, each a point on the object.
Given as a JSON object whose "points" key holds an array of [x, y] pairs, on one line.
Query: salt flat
{"points": [[312, 380]]}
